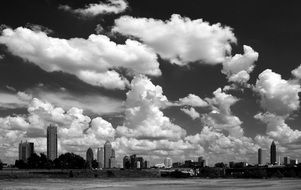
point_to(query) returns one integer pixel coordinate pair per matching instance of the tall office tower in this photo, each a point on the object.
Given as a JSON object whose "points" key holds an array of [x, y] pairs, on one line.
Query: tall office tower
{"points": [[100, 157], [141, 162], [133, 161], [286, 160], [107, 154], [273, 153], [260, 156], [51, 142], [201, 161], [168, 162], [112, 161], [89, 157], [26, 149], [126, 162]]}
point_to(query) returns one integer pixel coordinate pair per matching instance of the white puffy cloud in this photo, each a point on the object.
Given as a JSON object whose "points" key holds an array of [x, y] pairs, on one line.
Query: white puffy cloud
{"points": [[76, 131], [220, 147], [180, 39], [92, 103], [113, 6], [13, 100], [221, 117], [192, 100], [238, 67], [277, 128], [297, 72], [143, 117], [91, 60], [278, 96], [191, 112]]}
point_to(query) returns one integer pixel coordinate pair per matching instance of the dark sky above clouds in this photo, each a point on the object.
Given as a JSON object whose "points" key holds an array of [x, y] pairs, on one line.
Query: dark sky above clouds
{"points": [[265, 110]]}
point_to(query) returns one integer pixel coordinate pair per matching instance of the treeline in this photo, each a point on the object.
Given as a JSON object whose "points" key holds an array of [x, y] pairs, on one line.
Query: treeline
{"points": [[64, 161]]}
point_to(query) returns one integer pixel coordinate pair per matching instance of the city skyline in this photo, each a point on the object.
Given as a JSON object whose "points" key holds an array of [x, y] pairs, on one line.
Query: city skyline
{"points": [[157, 79]]}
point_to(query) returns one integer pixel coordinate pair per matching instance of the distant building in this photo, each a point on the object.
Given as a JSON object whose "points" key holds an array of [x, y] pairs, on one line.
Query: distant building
{"points": [[89, 157], [273, 153], [112, 160], [51, 142], [260, 162], [26, 149], [286, 160], [201, 161], [293, 162], [141, 162], [100, 158], [107, 154], [133, 161], [146, 164], [168, 162], [126, 162]]}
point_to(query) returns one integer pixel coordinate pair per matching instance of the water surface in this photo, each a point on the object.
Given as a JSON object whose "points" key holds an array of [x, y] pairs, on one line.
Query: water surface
{"points": [[148, 184]]}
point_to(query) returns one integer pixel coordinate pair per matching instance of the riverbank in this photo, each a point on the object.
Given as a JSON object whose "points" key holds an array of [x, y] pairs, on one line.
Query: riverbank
{"points": [[79, 173]]}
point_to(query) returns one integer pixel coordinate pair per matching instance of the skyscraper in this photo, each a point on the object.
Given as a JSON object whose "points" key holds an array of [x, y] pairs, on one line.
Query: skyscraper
{"points": [[107, 154], [126, 162], [112, 161], [51, 142], [260, 156], [26, 149], [273, 153], [89, 157], [100, 159]]}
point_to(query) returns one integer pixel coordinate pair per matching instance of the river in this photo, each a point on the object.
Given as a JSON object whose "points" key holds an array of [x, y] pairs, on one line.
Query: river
{"points": [[148, 184]]}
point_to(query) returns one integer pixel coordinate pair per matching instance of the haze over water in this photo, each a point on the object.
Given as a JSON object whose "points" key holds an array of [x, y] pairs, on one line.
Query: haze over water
{"points": [[146, 184]]}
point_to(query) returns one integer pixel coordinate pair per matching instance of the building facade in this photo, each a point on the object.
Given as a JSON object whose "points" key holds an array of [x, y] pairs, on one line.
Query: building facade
{"points": [[273, 155], [260, 156], [26, 149], [107, 154], [89, 157], [100, 158], [52, 142]]}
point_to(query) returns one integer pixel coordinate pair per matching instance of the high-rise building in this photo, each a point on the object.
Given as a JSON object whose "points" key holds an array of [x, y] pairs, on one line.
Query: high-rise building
{"points": [[126, 162], [112, 161], [26, 149], [168, 162], [260, 156], [51, 142], [89, 157], [100, 158], [286, 160], [107, 154], [201, 161], [133, 161], [141, 162], [273, 153]]}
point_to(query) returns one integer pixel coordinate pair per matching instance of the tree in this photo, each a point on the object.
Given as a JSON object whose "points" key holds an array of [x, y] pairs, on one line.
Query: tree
{"points": [[69, 161]]}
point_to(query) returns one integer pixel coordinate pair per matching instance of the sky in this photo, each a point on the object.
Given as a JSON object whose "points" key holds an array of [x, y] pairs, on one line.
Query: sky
{"points": [[178, 79]]}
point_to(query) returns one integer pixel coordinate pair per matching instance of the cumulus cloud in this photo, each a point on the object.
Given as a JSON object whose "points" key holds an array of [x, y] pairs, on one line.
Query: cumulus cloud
{"points": [[277, 128], [221, 117], [113, 6], [297, 72], [238, 67], [91, 103], [192, 100], [278, 96], [191, 112], [220, 147], [92, 60], [13, 100], [180, 39], [76, 131], [143, 117]]}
